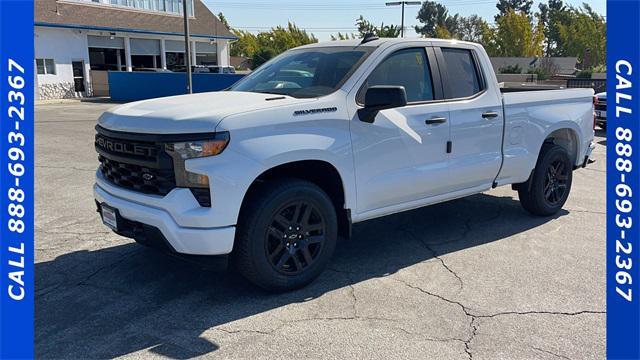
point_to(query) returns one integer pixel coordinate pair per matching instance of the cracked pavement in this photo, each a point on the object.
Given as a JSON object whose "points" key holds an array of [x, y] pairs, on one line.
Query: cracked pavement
{"points": [[474, 278]]}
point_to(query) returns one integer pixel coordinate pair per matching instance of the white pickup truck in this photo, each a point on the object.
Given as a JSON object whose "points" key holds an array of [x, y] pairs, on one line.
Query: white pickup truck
{"points": [[274, 169]]}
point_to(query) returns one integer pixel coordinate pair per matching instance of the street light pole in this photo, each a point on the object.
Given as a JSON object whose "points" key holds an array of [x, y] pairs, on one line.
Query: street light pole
{"points": [[402, 3], [187, 49]]}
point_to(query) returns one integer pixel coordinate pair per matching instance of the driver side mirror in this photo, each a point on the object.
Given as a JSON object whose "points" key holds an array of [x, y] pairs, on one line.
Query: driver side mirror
{"points": [[381, 98]]}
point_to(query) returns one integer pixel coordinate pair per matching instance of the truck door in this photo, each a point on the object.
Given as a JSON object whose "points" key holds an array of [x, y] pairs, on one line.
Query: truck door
{"points": [[402, 156], [476, 119]]}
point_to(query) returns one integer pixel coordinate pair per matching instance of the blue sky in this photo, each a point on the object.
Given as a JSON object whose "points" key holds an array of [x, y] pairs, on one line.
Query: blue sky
{"points": [[327, 17]]}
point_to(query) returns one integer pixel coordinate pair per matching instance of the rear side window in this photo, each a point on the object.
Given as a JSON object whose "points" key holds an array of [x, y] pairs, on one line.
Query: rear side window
{"points": [[463, 78], [408, 68]]}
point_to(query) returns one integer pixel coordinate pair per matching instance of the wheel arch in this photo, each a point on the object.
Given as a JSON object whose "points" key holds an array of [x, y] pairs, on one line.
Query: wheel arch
{"points": [[566, 137], [319, 172]]}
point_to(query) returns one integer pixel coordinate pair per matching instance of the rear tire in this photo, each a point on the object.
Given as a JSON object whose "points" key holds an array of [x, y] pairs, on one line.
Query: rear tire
{"points": [[548, 188], [286, 235]]}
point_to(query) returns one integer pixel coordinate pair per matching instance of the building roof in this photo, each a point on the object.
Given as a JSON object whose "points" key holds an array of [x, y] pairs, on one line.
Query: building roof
{"points": [[564, 65], [87, 15]]}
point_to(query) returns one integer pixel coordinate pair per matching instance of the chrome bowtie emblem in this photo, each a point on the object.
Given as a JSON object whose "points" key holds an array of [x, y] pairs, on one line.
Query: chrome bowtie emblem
{"points": [[147, 176]]}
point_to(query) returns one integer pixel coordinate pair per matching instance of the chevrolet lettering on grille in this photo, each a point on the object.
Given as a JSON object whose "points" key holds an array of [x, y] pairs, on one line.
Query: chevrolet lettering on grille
{"points": [[125, 148]]}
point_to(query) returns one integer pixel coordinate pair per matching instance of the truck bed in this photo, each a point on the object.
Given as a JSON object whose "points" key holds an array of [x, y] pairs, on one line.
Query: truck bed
{"points": [[531, 116]]}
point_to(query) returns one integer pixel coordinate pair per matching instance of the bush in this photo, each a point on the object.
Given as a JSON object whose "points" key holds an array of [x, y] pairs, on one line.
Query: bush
{"points": [[542, 74], [510, 69]]}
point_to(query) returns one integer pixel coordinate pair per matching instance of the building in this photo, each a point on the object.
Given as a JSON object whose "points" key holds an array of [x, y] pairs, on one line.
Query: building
{"points": [[78, 41], [556, 66]]}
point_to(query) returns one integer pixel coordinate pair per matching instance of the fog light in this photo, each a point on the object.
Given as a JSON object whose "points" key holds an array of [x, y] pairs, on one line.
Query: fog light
{"points": [[195, 180]]}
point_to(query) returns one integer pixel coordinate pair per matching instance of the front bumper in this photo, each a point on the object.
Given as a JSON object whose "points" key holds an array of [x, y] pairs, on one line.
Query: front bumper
{"points": [[181, 239]]}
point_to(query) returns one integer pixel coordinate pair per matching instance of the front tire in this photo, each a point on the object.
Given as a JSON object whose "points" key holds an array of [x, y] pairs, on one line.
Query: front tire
{"points": [[286, 235], [548, 189]]}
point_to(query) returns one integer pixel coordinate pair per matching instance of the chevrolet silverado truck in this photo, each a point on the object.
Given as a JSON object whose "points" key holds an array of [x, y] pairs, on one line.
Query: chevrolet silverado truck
{"points": [[274, 169]]}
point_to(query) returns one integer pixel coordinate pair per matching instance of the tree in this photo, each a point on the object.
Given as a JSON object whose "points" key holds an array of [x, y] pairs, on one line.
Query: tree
{"points": [[521, 6], [432, 15], [553, 15], [472, 28], [265, 45], [262, 56], [516, 35], [442, 33], [271, 43], [366, 27], [281, 39], [223, 20], [584, 36], [246, 45], [341, 36]]}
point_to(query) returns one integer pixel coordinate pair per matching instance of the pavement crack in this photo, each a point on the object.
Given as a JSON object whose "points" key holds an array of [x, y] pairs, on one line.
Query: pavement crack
{"points": [[352, 290], [534, 312], [261, 332], [474, 331], [587, 211], [64, 168], [550, 353], [84, 281], [435, 255], [473, 325]]}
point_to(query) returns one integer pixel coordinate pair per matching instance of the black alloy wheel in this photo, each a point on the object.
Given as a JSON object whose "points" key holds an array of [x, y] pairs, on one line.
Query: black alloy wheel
{"points": [[286, 234], [549, 185], [555, 184], [295, 237]]}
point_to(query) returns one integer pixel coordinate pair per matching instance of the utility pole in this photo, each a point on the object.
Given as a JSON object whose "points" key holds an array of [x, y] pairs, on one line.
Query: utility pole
{"points": [[187, 49], [403, 3]]}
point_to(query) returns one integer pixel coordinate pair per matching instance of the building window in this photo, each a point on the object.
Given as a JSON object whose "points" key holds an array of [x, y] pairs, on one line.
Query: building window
{"points": [[167, 6], [106, 59], [46, 66]]}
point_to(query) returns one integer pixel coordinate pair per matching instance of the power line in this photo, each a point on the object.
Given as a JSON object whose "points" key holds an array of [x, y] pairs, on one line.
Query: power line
{"points": [[279, 6]]}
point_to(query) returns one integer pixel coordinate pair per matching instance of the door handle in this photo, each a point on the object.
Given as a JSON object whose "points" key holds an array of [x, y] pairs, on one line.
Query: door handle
{"points": [[435, 120], [490, 115]]}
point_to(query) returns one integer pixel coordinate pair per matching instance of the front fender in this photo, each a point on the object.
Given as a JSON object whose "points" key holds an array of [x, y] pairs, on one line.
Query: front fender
{"points": [[247, 157]]}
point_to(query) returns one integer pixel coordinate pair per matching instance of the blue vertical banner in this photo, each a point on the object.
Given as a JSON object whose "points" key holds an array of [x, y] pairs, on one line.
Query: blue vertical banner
{"points": [[623, 179], [16, 179]]}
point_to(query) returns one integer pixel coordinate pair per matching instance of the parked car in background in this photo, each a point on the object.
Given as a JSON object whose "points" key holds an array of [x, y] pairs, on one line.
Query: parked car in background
{"points": [[151, 70], [209, 69], [326, 135], [215, 69], [600, 106]]}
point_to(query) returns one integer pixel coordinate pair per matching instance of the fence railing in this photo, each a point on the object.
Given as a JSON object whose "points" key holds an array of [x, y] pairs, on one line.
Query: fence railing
{"points": [[598, 85]]}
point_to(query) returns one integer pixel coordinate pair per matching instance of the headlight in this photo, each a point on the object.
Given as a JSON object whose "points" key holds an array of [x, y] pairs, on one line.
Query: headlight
{"points": [[200, 148], [184, 150]]}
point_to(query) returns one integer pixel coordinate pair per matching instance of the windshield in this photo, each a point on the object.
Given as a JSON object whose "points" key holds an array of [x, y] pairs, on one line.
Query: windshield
{"points": [[305, 73]]}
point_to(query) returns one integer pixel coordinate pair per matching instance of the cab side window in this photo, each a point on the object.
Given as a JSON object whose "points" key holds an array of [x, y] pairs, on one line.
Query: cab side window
{"points": [[463, 77], [408, 68]]}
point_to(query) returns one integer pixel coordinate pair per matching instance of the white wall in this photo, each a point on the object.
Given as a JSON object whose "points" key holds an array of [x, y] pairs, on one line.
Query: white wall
{"points": [[223, 53], [63, 46]]}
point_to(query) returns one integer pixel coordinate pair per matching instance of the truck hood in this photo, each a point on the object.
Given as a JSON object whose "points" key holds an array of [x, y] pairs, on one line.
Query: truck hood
{"points": [[183, 114]]}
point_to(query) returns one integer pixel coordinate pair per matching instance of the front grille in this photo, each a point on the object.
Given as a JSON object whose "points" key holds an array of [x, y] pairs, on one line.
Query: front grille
{"points": [[138, 178], [601, 106], [141, 162], [137, 165]]}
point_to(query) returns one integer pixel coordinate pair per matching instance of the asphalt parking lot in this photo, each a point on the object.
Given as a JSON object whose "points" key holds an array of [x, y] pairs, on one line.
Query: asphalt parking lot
{"points": [[473, 278]]}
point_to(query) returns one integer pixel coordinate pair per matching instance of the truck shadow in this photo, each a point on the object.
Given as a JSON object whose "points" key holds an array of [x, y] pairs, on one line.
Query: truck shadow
{"points": [[124, 299]]}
